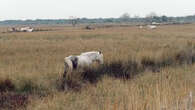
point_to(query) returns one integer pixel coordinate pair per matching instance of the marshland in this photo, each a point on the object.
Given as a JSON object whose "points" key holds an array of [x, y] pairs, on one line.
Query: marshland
{"points": [[144, 69]]}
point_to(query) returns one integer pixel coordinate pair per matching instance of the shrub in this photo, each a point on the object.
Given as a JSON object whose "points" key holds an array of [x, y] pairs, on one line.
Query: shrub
{"points": [[6, 85]]}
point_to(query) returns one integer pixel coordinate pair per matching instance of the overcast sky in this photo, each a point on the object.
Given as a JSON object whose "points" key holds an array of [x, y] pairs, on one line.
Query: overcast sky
{"points": [[60, 9]]}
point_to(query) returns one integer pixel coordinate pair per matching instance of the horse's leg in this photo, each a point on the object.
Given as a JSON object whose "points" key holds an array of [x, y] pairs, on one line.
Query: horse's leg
{"points": [[64, 84], [66, 79]]}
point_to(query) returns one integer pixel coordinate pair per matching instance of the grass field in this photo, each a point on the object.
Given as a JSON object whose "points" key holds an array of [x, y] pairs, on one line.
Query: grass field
{"points": [[31, 65]]}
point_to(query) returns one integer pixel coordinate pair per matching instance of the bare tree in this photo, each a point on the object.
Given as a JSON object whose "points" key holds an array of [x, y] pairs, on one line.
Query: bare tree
{"points": [[73, 20]]}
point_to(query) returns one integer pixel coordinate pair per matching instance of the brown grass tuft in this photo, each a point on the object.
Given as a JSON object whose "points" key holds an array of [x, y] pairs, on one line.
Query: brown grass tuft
{"points": [[6, 86], [12, 101]]}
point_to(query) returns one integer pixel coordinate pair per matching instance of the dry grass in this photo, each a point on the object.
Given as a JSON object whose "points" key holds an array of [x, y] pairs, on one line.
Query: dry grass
{"points": [[34, 64], [167, 89]]}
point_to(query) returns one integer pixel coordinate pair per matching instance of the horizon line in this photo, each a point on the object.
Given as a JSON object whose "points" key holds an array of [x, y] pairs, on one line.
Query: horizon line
{"points": [[26, 19]]}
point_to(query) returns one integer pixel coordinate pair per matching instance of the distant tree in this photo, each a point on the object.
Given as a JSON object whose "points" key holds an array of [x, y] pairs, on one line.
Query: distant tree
{"points": [[110, 20], [73, 20], [164, 18], [152, 17], [156, 19], [125, 17]]}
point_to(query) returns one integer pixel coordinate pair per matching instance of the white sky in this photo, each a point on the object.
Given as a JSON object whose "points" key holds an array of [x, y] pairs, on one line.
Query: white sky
{"points": [[60, 9]]}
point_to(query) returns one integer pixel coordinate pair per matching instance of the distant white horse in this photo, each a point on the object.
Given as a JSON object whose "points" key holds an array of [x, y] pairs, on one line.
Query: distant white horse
{"points": [[152, 26], [141, 27], [82, 61], [26, 29]]}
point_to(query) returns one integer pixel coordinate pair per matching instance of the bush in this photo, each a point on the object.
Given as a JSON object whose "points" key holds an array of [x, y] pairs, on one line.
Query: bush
{"points": [[6, 85]]}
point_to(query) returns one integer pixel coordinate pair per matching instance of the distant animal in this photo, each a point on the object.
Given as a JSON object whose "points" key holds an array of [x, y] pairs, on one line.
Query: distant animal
{"points": [[26, 29], [81, 61], [13, 29], [152, 26], [141, 27], [89, 27]]}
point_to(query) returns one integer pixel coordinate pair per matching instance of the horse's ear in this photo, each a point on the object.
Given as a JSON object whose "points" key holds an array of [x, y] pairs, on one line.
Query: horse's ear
{"points": [[100, 52]]}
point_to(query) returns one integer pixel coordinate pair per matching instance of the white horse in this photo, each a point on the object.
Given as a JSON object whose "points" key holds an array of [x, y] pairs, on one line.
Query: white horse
{"points": [[94, 56], [152, 26], [26, 29], [81, 61]]}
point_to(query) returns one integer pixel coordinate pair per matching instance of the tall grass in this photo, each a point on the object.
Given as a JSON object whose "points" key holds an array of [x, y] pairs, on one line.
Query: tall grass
{"points": [[33, 64], [167, 89], [129, 68]]}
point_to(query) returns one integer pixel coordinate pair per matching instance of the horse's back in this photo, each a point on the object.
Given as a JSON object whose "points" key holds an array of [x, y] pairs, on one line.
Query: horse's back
{"points": [[90, 53], [84, 61]]}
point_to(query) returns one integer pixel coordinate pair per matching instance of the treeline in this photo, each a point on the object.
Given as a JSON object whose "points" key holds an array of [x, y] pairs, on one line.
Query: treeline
{"points": [[123, 19]]}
